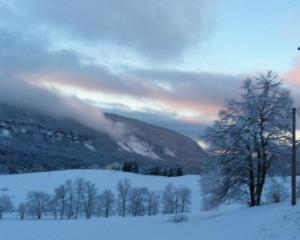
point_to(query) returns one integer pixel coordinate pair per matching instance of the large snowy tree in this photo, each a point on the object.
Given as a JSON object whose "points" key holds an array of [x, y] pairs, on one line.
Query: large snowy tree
{"points": [[247, 140]]}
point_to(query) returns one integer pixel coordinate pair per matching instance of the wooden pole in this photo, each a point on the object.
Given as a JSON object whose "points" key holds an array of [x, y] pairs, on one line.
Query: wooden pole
{"points": [[294, 194]]}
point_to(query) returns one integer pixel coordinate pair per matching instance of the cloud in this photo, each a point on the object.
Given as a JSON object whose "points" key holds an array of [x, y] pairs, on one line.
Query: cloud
{"points": [[24, 95], [196, 86], [30, 32], [187, 92], [29, 58], [292, 78], [192, 130], [22, 56], [160, 30]]}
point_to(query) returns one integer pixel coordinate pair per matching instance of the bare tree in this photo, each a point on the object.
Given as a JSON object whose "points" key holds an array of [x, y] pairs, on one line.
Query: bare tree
{"points": [[6, 205], [124, 188], [22, 209], [176, 199], [106, 203], [183, 196], [60, 197], [276, 192], [78, 192], [169, 199], [70, 199], [54, 207], [137, 201], [152, 203], [38, 201], [89, 199]]}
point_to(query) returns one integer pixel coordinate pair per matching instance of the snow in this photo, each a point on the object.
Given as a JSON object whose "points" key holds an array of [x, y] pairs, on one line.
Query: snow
{"points": [[135, 145], [18, 185], [4, 133], [90, 146], [169, 152], [269, 222]]}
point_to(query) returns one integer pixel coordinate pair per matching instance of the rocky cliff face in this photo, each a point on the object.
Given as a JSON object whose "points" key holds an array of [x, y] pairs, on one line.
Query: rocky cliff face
{"points": [[30, 141]]}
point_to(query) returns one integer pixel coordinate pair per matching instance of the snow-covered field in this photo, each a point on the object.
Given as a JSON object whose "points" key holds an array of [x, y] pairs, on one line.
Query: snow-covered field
{"points": [[274, 222]]}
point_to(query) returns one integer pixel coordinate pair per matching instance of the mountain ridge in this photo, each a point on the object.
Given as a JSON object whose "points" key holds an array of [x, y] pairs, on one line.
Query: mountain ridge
{"points": [[31, 141]]}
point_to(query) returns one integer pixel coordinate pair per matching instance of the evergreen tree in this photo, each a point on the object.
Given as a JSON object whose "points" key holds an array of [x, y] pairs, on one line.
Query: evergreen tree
{"points": [[179, 172]]}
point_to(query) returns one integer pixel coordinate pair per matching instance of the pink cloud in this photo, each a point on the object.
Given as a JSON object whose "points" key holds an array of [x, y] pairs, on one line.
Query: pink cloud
{"points": [[138, 89], [293, 76]]}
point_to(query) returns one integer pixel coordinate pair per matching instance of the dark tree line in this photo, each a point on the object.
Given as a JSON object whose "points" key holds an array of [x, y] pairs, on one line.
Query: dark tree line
{"points": [[167, 172], [132, 166]]}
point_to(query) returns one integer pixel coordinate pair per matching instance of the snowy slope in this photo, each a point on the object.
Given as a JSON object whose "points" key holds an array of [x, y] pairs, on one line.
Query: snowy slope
{"points": [[273, 222], [264, 223], [18, 185]]}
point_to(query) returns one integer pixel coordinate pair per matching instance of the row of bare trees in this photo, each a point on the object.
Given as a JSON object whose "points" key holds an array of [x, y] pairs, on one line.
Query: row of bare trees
{"points": [[81, 198]]}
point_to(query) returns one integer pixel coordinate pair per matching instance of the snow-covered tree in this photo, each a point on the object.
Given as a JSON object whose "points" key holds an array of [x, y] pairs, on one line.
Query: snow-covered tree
{"points": [[124, 188], [106, 204], [6, 205], [246, 140], [38, 202]]}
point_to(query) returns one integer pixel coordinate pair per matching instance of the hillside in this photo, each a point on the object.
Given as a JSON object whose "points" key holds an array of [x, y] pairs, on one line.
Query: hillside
{"points": [[269, 222], [31, 141], [103, 179]]}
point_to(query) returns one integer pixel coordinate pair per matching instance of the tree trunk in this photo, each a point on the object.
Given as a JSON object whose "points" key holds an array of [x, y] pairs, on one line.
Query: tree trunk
{"points": [[251, 184], [260, 186]]}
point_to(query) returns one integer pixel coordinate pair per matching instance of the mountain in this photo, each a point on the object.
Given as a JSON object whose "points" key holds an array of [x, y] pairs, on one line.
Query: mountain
{"points": [[31, 141]]}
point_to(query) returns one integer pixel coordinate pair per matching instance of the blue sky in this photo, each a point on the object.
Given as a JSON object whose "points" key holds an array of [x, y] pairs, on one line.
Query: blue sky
{"points": [[250, 36]]}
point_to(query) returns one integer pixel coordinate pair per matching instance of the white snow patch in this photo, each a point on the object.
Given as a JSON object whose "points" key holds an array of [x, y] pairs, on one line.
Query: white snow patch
{"points": [[23, 130], [90, 146], [169, 152], [139, 147], [123, 146], [4, 133]]}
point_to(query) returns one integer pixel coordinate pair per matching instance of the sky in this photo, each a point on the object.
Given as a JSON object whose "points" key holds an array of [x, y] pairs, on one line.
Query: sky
{"points": [[170, 63]]}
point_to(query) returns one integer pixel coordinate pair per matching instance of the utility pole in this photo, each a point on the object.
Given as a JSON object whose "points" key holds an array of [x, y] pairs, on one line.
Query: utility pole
{"points": [[294, 162], [294, 197]]}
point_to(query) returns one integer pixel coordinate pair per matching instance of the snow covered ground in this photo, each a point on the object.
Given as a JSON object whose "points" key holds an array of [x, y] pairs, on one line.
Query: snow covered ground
{"points": [[17, 186], [272, 222]]}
